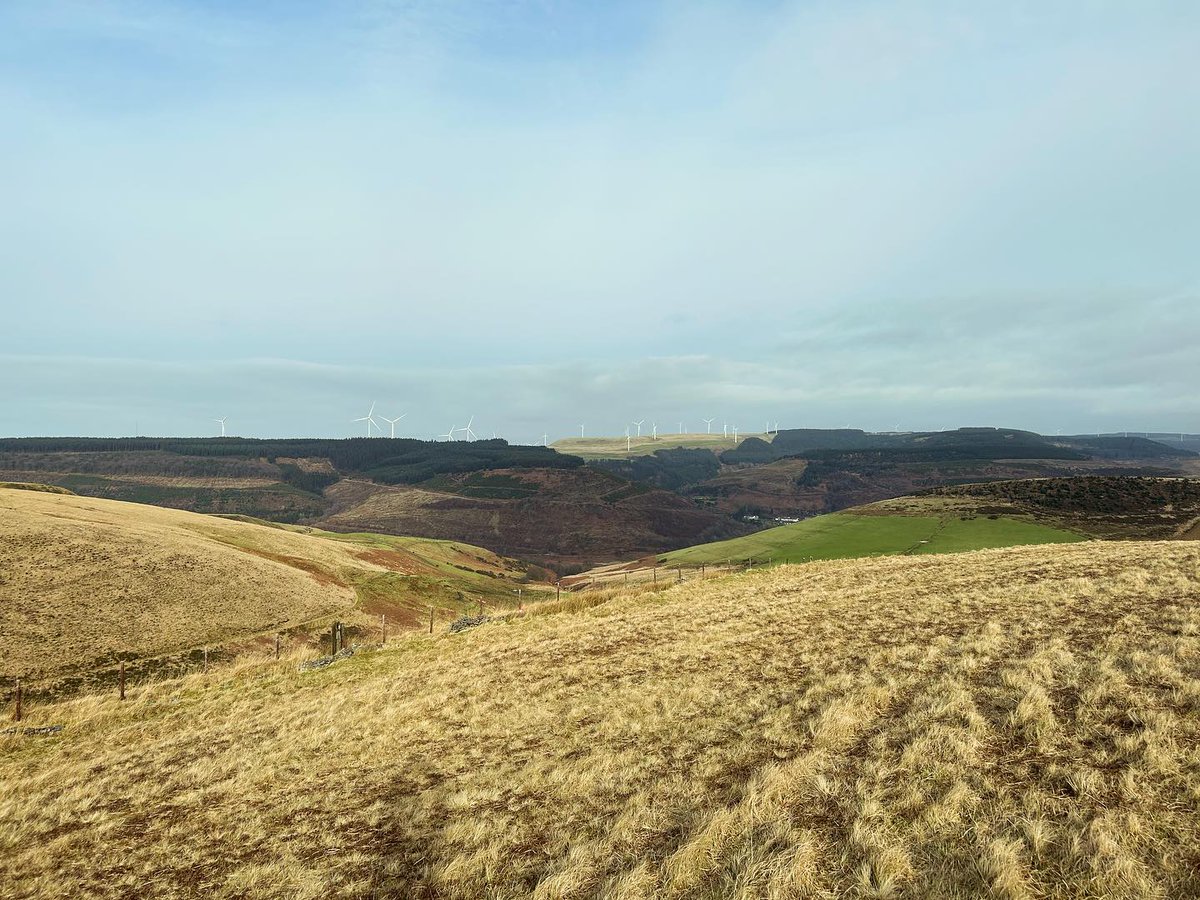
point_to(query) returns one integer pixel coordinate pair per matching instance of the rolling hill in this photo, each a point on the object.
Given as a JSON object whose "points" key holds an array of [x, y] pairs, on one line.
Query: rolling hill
{"points": [[1019, 722], [528, 501], [802, 472], [973, 517], [87, 583]]}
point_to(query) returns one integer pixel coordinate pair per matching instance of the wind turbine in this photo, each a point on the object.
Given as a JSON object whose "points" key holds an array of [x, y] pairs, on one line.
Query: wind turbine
{"points": [[369, 418], [708, 425], [654, 427], [471, 435], [393, 422], [545, 439], [725, 429], [638, 425], [221, 422], [735, 434], [580, 429], [681, 428], [626, 438], [449, 435]]}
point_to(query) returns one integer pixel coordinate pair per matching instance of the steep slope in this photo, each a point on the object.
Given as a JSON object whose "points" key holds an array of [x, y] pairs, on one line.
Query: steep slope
{"points": [[577, 515], [1011, 723], [87, 582]]}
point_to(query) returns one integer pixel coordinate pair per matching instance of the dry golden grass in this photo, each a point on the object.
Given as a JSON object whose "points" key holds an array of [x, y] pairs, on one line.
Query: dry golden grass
{"points": [[1010, 723], [85, 581]]}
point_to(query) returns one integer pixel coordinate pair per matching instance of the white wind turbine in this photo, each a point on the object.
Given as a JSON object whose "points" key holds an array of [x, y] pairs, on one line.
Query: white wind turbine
{"points": [[545, 440], [627, 439], [638, 426], [681, 428], [735, 433], [708, 425], [471, 435], [393, 422], [654, 428], [369, 418], [221, 422], [449, 435], [725, 429], [580, 429]]}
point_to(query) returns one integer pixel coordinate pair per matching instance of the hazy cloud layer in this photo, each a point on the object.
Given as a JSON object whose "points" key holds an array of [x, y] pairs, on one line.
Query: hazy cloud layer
{"points": [[544, 213]]}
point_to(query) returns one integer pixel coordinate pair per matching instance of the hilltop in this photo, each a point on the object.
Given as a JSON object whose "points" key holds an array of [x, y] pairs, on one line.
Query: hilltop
{"points": [[1012, 723], [801, 472], [620, 448], [88, 583]]}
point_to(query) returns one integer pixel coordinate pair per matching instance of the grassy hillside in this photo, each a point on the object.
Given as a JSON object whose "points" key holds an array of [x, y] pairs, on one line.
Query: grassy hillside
{"points": [[852, 534], [616, 448], [89, 582], [935, 726], [528, 501]]}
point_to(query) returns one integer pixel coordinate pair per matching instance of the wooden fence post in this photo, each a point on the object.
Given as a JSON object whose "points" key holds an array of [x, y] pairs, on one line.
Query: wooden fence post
{"points": [[17, 710], [656, 574], [558, 590], [481, 606], [626, 578], [431, 620], [122, 680], [701, 570], [205, 659], [679, 571], [277, 646], [383, 627]]}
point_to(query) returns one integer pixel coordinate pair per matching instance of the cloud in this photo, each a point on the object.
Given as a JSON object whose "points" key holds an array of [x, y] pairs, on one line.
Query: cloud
{"points": [[837, 207]]}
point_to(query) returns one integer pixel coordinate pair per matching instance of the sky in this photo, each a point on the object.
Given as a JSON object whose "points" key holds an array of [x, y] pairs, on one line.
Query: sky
{"points": [[915, 214]]}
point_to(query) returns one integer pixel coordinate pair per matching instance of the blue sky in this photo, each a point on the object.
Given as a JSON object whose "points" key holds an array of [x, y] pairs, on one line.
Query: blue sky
{"points": [[541, 213]]}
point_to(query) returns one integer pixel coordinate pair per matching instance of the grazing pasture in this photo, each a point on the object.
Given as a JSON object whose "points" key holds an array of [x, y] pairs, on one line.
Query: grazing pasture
{"points": [[852, 534]]}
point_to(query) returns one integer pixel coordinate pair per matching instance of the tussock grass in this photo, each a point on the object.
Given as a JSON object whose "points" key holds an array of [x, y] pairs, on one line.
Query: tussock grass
{"points": [[1012, 723], [85, 582]]}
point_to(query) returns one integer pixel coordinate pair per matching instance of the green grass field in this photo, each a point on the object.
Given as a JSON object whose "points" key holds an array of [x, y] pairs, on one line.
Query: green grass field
{"points": [[846, 535], [615, 447]]}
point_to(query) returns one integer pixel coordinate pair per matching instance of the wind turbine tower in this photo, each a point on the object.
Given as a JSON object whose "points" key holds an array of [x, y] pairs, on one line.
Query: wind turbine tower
{"points": [[627, 447], [392, 422], [221, 422], [638, 426], [369, 418], [449, 435], [654, 428], [708, 425]]}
